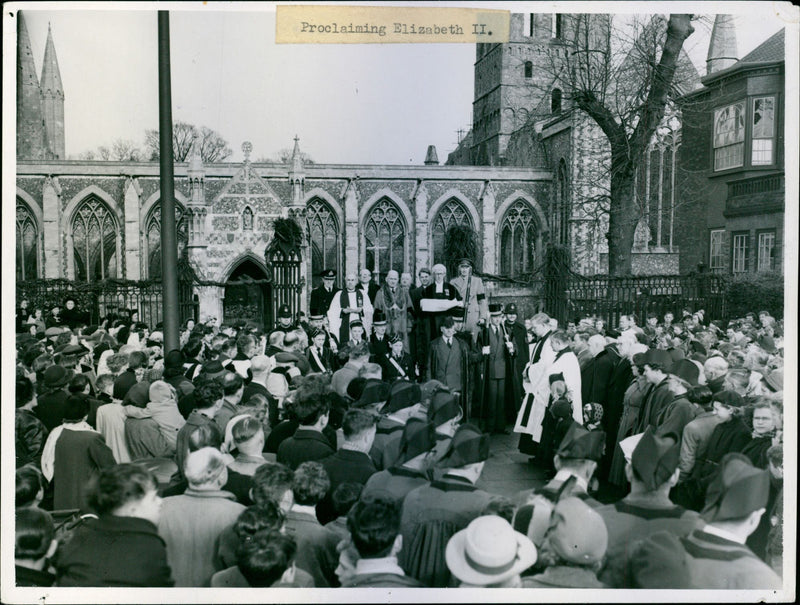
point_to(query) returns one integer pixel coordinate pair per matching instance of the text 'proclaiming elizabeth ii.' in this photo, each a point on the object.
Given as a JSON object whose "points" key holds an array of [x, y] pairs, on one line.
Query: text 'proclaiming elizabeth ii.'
{"points": [[308, 24]]}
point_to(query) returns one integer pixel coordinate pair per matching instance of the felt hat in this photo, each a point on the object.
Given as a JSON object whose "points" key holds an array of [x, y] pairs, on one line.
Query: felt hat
{"points": [[53, 331], [417, 438], [429, 388], [467, 446], [774, 379], [495, 309], [443, 407], [676, 354], [76, 407], [375, 391], [75, 350], [579, 443], [356, 387], [737, 490], [213, 369], [378, 318], [393, 338], [655, 459], [639, 359], [465, 262], [686, 371], [488, 551], [658, 357], [284, 311], [173, 359], [328, 274], [697, 347], [56, 376], [402, 394], [577, 533], [729, 398], [511, 309]]}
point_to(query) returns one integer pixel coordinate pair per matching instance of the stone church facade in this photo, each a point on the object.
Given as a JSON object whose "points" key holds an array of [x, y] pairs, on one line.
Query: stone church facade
{"points": [[91, 221]]}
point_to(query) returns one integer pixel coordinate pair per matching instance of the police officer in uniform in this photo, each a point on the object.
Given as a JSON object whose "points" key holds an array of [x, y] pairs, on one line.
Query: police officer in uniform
{"points": [[322, 295]]}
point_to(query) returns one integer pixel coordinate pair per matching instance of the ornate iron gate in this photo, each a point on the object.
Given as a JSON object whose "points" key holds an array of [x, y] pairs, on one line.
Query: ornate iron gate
{"points": [[287, 284]]}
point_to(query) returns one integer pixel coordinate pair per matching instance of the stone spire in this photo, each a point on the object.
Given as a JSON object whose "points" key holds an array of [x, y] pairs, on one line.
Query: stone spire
{"points": [[30, 121], [722, 50], [297, 174], [52, 99]]}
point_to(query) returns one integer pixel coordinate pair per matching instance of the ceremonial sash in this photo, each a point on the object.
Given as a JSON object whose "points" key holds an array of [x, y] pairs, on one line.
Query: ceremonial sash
{"points": [[397, 365], [316, 357]]}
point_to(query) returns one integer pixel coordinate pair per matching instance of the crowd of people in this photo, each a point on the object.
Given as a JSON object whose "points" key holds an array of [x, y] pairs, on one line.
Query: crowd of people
{"points": [[346, 450]]}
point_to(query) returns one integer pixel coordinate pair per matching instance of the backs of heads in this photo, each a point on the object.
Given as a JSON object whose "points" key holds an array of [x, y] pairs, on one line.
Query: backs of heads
{"points": [[345, 496], [204, 466], [231, 383], [258, 517], [310, 401], [357, 421], [271, 481], [205, 435], [207, 394], [34, 532], [560, 338], [24, 391], [118, 485], [192, 347], [29, 481], [244, 430], [310, 483], [265, 557], [374, 523]]}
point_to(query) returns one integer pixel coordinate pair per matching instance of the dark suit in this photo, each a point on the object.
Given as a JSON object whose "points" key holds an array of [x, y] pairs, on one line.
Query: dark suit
{"points": [[371, 291], [320, 300], [303, 446], [495, 417], [325, 363], [379, 350], [344, 466], [316, 548], [420, 335], [446, 363]]}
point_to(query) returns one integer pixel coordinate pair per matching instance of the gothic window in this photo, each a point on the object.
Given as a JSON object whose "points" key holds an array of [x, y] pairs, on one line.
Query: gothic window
{"points": [[153, 238], [528, 69], [555, 101], [518, 233], [385, 238], [27, 243], [451, 213], [729, 136], [323, 231], [247, 219], [94, 238]]}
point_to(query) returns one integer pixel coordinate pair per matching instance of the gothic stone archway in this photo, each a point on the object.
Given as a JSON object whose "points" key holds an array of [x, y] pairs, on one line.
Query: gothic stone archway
{"points": [[246, 300]]}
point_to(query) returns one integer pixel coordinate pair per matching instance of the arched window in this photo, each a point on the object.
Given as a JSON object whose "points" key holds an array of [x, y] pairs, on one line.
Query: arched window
{"points": [[528, 69], [27, 243], [451, 213], [94, 239], [555, 101], [518, 233], [153, 237], [385, 238], [247, 219], [323, 231]]}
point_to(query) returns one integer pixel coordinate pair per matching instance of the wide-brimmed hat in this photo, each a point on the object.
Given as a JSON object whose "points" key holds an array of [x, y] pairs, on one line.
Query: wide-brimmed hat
{"points": [[488, 551], [53, 331], [417, 438], [56, 376], [443, 407], [686, 371], [729, 398], [467, 446], [213, 369], [375, 391], [579, 536], [655, 459], [402, 394], [174, 359]]}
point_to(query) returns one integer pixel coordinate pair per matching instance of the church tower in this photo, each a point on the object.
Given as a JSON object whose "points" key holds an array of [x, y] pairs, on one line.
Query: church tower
{"points": [[722, 50], [512, 80], [52, 101], [31, 144]]}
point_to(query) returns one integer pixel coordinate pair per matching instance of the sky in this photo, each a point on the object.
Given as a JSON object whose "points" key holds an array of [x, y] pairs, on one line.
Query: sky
{"points": [[348, 103]]}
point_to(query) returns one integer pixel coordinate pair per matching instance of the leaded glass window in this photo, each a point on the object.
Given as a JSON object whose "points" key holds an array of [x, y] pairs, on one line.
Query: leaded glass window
{"points": [[518, 233], [27, 243], [729, 136], [153, 237], [323, 231], [94, 238], [385, 238], [451, 213]]}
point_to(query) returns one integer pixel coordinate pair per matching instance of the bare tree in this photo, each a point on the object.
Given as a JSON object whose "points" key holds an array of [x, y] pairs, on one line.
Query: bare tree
{"points": [[623, 80], [213, 148], [123, 150], [284, 156]]}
